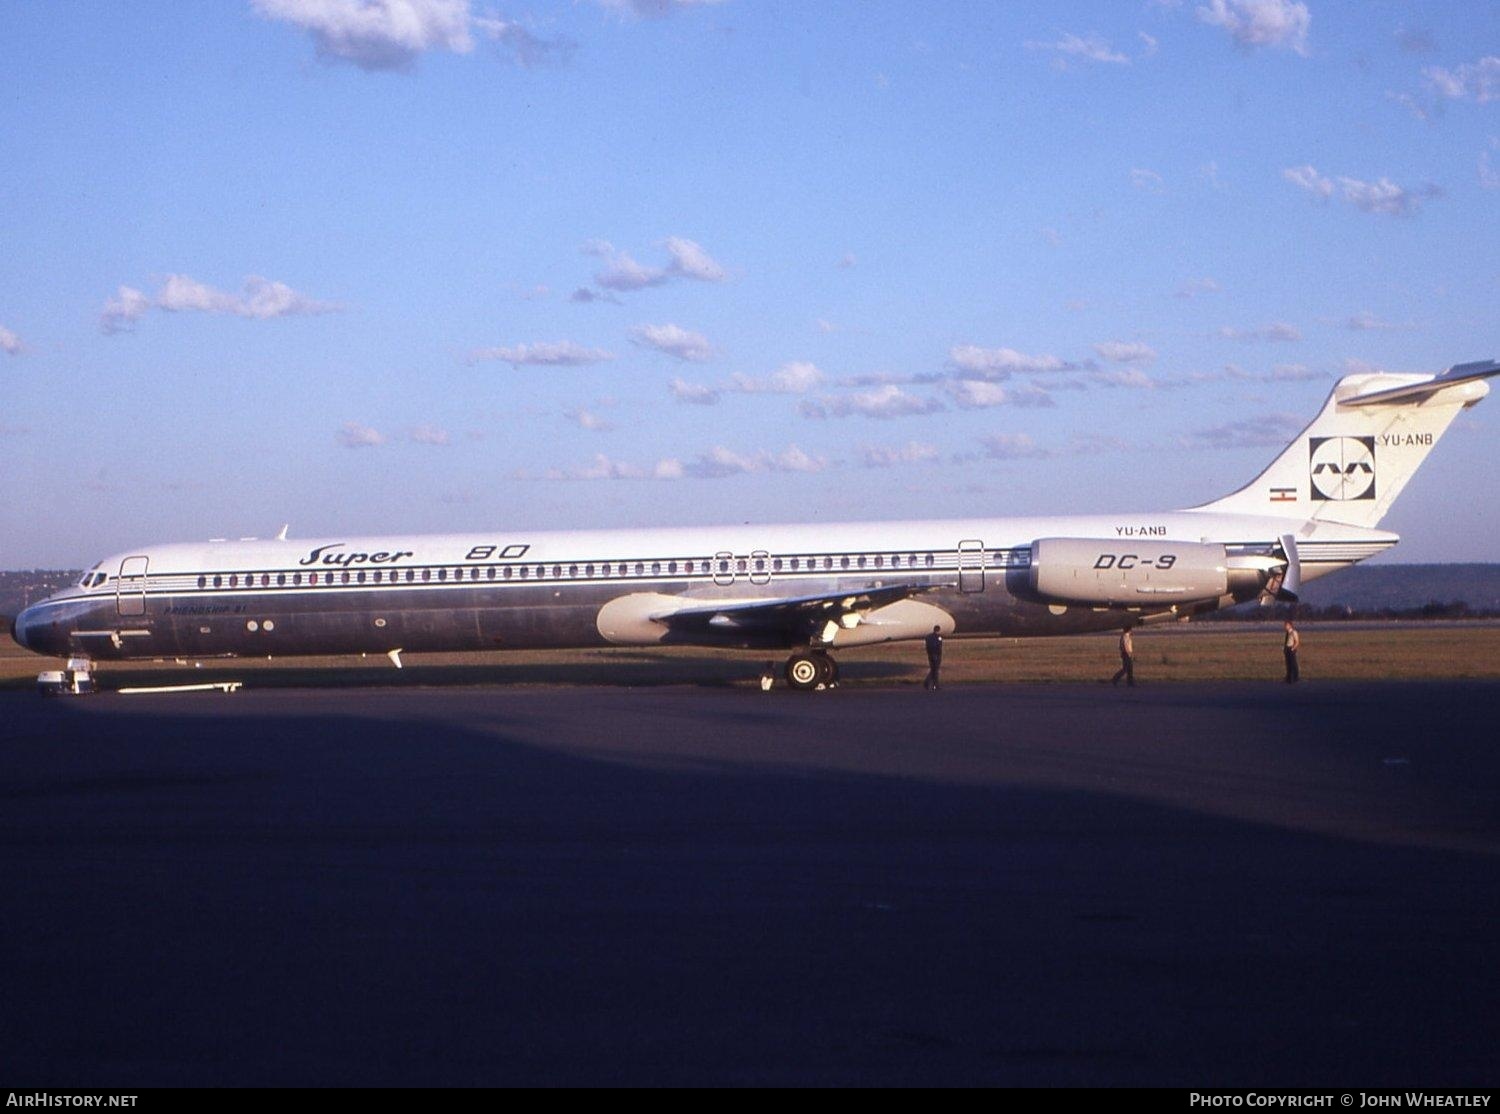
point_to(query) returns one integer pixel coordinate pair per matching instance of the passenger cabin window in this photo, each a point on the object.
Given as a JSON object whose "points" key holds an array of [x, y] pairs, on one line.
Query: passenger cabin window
{"points": [[281, 580], [203, 582]]}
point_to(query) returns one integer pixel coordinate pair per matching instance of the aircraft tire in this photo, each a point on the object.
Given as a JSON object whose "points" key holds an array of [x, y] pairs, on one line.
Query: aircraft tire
{"points": [[828, 670], [805, 671]]}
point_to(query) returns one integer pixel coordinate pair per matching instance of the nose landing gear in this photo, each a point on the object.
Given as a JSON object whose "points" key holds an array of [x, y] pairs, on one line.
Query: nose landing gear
{"points": [[807, 670]]}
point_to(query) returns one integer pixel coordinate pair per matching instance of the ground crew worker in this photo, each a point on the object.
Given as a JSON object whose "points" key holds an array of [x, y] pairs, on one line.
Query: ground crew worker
{"points": [[934, 644], [1127, 659], [1289, 646]]}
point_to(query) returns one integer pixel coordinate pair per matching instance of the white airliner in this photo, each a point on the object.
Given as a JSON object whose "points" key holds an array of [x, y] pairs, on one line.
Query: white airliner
{"points": [[809, 589]]}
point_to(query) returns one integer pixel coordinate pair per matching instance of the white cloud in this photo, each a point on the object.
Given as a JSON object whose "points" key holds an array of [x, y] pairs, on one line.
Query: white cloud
{"points": [[1088, 48], [1010, 446], [1262, 431], [1125, 352], [1149, 44], [356, 436], [587, 419], [695, 393], [719, 462], [1365, 321], [690, 261], [562, 353], [1308, 178], [1477, 80], [1294, 373], [259, 299], [10, 344], [1193, 287], [984, 394], [794, 378], [1422, 110], [1148, 180], [996, 363], [687, 260], [1277, 330], [123, 310], [889, 401], [1132, 378], [392, 34], [1254, 23], [674, 340], [976, 394], [602, 467], [716, 464], [429, 435], [624, 273], [1383, 196], [913, 452]]}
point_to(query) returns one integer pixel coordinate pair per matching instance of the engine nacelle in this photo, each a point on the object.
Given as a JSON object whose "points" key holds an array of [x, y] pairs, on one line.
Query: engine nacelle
{"points": [[1127, 572]]}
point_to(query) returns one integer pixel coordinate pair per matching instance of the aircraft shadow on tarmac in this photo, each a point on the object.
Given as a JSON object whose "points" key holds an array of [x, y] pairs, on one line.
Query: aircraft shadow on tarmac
{"points": [[447, 888]]}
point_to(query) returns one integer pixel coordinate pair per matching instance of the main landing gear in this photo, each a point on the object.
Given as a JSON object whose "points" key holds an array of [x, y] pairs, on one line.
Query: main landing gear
{"points": [[811, 669]]}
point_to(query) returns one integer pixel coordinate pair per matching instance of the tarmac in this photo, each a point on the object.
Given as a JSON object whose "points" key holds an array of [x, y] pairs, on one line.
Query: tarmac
{"points": [[1178, 885]]}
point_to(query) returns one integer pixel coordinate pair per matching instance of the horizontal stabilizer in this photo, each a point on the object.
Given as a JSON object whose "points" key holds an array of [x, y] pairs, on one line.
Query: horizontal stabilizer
{"points": [[1458, 373]]}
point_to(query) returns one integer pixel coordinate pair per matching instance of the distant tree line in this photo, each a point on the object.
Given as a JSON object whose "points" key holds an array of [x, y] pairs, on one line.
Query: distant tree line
{"points": [[1335, 612]]}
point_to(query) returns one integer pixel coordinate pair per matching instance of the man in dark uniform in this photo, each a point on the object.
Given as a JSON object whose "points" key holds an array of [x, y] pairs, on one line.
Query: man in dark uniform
{"points": [[1290, 644], [1127, 659], [934, 644]]}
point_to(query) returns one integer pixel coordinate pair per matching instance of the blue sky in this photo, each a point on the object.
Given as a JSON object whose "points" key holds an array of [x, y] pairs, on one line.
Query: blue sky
{"points": [[393, 266]]}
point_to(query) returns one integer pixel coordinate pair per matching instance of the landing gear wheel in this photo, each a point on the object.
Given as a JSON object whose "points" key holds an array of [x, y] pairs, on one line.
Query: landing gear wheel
{"points": [[806, 671], [828, 670]]}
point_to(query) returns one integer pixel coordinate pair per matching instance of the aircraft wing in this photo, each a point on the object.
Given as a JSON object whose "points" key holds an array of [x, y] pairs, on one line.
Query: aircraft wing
{"points": [[780, 611]]}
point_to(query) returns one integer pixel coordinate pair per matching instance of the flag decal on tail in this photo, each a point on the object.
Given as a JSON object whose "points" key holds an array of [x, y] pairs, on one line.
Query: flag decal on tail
{"points": [[1342, 469], [1283, 495]]}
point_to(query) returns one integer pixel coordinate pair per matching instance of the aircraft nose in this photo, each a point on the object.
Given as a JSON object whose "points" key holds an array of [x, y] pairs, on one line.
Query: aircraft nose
{"points": [[20, 625]]}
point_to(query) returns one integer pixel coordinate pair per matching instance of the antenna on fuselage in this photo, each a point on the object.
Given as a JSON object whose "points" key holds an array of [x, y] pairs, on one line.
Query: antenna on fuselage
{"points": [[281, 534]]}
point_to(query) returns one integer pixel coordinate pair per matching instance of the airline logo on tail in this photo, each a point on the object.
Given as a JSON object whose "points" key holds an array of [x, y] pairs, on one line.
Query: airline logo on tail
{"points": [[1342, 469]]}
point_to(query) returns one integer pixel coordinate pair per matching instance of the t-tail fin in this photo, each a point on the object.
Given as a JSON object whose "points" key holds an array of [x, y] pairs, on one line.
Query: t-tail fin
{"points": [[1355, 457]]}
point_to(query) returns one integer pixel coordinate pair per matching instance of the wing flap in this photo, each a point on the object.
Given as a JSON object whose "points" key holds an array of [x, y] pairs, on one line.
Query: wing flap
{"points": [[782, 610]]}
